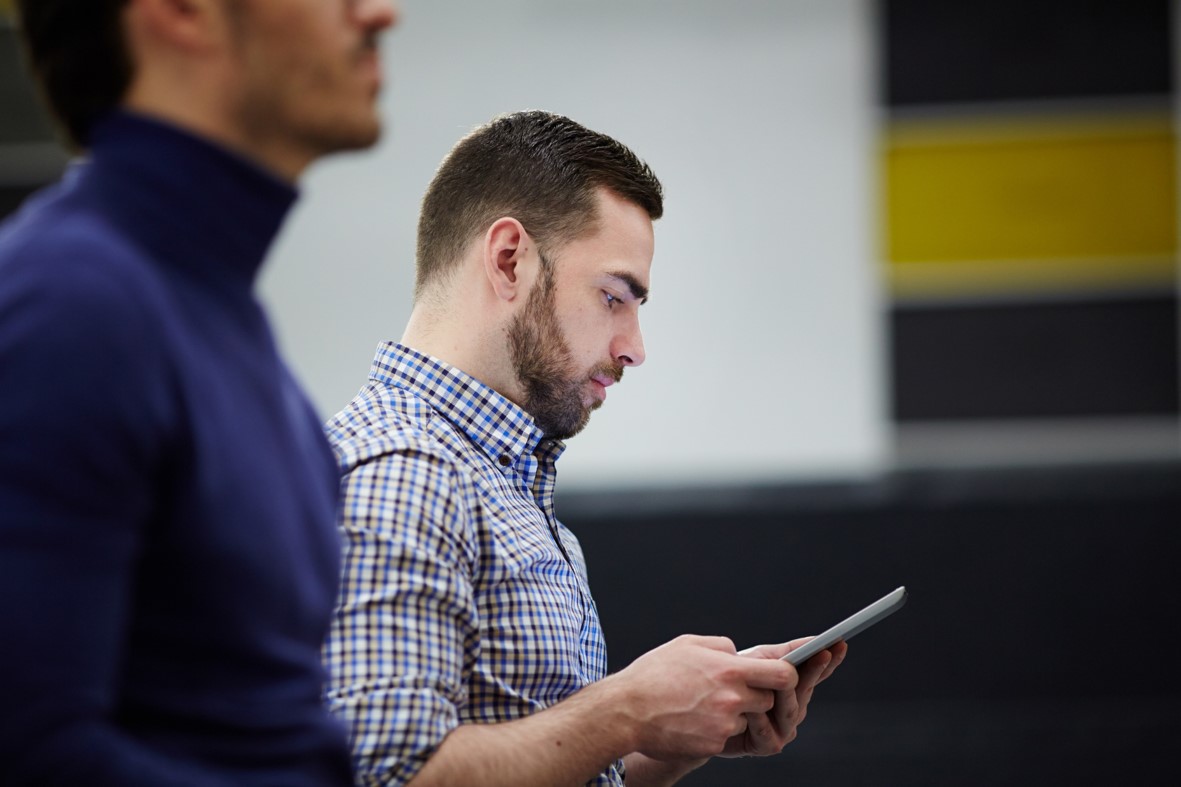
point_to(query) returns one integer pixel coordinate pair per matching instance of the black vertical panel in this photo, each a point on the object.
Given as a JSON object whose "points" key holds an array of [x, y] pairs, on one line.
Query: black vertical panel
{"points": [[23, 121], [22, 115], [941, 51], [1086, 358]]}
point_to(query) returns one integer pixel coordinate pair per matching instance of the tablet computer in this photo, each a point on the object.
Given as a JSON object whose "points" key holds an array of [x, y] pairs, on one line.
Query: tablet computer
{"points": [[850, 626]]}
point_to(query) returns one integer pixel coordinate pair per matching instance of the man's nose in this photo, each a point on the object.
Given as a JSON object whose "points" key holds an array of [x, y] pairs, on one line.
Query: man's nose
{"points": [[629, 346], [376, 14]]}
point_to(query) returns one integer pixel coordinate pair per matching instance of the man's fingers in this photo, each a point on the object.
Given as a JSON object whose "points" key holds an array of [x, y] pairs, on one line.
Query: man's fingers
{"points": [[812, 671], [821, 666], [762, 734], [768, 674], [766, 701], [787, 707], [741, 723], [774, 651], [723, 644], [751, 700], [838, 652]]}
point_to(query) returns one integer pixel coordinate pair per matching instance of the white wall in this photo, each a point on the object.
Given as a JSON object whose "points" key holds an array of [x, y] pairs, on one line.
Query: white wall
{"points": [[764, 329]]}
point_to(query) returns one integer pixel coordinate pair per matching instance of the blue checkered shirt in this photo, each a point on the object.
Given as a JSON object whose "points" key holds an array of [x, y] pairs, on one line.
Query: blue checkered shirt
{"points": [[464, 600]]}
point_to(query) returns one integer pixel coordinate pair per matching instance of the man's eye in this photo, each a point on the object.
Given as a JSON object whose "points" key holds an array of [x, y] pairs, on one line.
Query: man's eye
{"points": [[611, 300]]}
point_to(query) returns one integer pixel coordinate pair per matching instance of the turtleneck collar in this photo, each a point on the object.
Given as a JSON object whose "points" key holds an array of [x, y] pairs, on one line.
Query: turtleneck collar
{"points": [[190, 202]]}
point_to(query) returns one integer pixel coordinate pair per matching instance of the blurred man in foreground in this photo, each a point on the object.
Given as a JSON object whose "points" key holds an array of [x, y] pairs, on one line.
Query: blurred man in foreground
{"points": [[168, 552]]}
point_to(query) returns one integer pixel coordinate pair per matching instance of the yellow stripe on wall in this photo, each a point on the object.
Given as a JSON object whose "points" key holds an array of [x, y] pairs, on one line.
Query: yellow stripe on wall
{"points": [[1099, 189]]}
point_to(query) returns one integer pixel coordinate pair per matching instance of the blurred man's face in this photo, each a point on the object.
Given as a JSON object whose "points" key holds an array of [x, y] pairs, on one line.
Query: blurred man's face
{"points": [[310, 72]]}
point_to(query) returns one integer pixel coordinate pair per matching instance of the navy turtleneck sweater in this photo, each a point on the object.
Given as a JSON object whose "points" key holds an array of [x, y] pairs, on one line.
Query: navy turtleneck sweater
{"points": [[168, 553]]}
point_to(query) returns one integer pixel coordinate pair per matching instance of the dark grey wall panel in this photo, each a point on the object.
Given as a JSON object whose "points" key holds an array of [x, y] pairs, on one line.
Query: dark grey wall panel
{"points": [[1036, 359], [1001, 667], [22, 116], [952, 52]]}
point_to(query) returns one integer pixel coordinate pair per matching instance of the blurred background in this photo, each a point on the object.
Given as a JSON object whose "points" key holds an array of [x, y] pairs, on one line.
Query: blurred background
{"points": [[914, 321]]}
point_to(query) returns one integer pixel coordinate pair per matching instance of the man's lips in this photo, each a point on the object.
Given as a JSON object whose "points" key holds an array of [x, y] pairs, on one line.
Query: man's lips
{"points": [[369, 64], [603, 382]]}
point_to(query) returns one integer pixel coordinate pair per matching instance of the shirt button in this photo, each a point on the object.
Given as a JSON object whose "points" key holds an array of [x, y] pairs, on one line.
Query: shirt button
{"points": [[504, 460]]}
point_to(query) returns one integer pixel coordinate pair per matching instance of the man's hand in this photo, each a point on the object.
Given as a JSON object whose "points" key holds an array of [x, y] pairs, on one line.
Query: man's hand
{"points": [[692, 695], [767, 733]]}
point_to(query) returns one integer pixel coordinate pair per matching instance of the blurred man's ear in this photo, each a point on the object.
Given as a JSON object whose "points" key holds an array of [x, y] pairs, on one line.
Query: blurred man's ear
{"points": [[188, 25]]}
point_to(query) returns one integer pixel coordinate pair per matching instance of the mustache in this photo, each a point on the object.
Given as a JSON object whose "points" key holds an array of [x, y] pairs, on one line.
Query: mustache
{"points": [[612, 370], [368, 45]]}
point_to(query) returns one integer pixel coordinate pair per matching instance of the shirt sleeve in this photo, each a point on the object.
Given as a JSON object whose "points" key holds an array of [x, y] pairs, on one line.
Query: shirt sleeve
{"points": [[81, 402], [407, 629]]}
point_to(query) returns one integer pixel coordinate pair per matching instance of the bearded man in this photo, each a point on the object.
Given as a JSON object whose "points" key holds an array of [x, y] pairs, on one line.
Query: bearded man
{"points": [[467, 648]]}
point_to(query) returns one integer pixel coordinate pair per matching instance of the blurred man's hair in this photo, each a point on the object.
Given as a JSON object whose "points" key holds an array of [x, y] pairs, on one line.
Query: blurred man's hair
{"points": [[79, 56], [542, 169]]}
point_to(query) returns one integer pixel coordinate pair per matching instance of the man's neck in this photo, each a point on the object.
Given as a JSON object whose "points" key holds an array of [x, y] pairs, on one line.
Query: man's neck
{"points": [[204, 119], [474, 346]]}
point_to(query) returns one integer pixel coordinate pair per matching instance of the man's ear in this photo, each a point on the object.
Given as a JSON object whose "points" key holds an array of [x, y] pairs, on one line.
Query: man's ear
{"points": [[506, 258], [191, 25]]}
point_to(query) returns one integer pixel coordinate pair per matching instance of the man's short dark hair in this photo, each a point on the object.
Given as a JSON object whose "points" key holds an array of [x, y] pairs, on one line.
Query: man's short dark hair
{"points": [[79, 55], [542, 169]]}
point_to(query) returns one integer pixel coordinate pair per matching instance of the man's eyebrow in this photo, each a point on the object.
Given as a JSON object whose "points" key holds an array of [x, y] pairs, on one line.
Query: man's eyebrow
{"points": [[638, 291]]}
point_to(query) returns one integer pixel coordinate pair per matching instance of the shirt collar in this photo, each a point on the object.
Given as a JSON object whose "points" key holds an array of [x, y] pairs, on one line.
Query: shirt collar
{"points": [[501, 429]]}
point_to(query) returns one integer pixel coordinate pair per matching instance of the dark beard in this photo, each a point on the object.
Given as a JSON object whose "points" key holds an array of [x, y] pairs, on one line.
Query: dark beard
{"points": [[541, 358]]}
